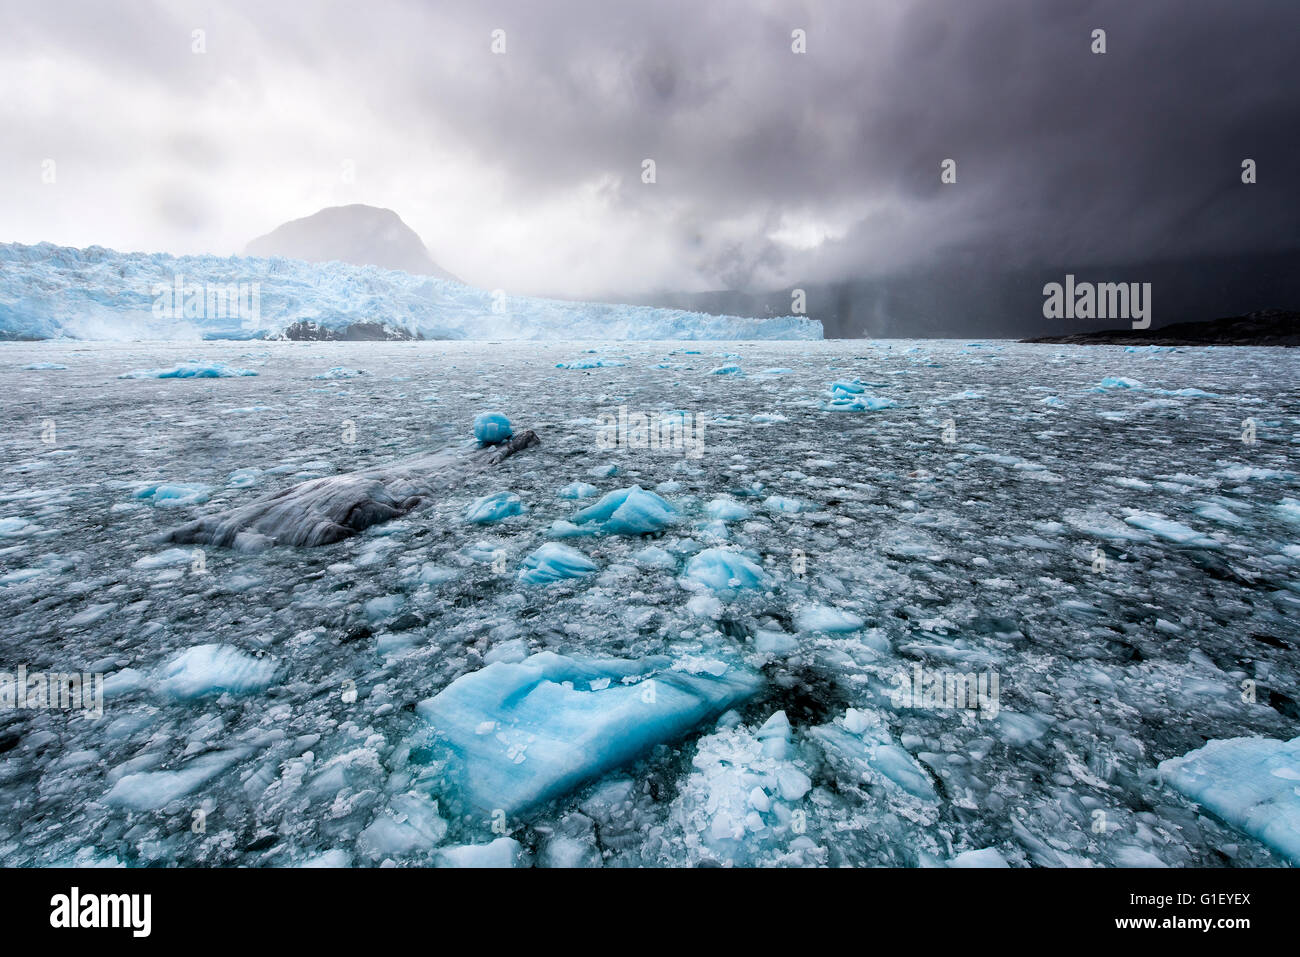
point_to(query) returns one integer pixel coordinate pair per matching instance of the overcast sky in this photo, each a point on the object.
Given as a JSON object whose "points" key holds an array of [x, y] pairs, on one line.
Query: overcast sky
{"points": [[523, 170]]}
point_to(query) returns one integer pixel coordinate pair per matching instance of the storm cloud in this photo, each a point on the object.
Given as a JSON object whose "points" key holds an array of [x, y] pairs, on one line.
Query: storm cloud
{"points": [[522, 169]]}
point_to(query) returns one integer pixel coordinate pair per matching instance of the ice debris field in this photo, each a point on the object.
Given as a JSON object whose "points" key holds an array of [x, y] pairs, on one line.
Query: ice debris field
{"points": [[596, 655]]}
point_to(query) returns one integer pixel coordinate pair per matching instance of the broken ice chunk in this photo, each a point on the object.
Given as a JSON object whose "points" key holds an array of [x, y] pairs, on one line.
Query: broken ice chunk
{"points": [[212, 668], [492, 427], [720, 569], [629, 511], [557, 726], [1252, 784], [554, 562], [494, 508]]}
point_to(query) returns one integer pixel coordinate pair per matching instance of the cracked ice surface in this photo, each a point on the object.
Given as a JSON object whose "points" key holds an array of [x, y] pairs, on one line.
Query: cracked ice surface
{"points": [[1117, 556]]}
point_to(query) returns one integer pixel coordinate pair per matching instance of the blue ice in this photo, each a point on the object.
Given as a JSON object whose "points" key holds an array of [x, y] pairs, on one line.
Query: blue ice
{"points": [[554, 562], [518, 734], [629, 511], [494, 508]]}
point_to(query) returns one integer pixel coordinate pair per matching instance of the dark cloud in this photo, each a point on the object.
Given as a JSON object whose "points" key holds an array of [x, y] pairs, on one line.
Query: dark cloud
{"points": [[524, 170]]}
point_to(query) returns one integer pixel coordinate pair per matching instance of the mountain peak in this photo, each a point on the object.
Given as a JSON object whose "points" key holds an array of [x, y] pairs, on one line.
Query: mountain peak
{"points": [[357, 234]]}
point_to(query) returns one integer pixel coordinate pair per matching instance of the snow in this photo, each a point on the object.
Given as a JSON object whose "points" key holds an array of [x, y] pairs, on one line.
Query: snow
{"points": [[49, 291], [519, 734], [1251, 783]]}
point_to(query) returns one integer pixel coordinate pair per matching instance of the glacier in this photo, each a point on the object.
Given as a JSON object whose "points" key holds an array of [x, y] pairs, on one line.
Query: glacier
{"points": [[51, 292]]}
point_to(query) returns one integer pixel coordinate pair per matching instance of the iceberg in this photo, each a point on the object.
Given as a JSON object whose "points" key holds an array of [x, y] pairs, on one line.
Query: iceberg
{"points": [[174, 494], [494, 508], [554, 562], [194, 369], [492, 427], [722, 570], [629, 511], [515, 735]]}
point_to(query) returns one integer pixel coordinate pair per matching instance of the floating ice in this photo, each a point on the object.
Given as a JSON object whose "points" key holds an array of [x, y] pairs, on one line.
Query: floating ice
{"points": [[721, 570], [825, 618], [1118, 382], [629, 511], [503, 852], [726, 370], [494, 508], [740, 802], [170, 558], [554, 562], [727, 510], [151, 790], [858, 403], [212, 668], [339, 372], [37, 366], [1169, 530], [984, 857], [577, 490], [14, 527], [1252, 784], [193, 369], [590, 364], [518, 734], [410, 824], [174, 494], [492, 427], [783, 503], [861, 739], [655, 557]]}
